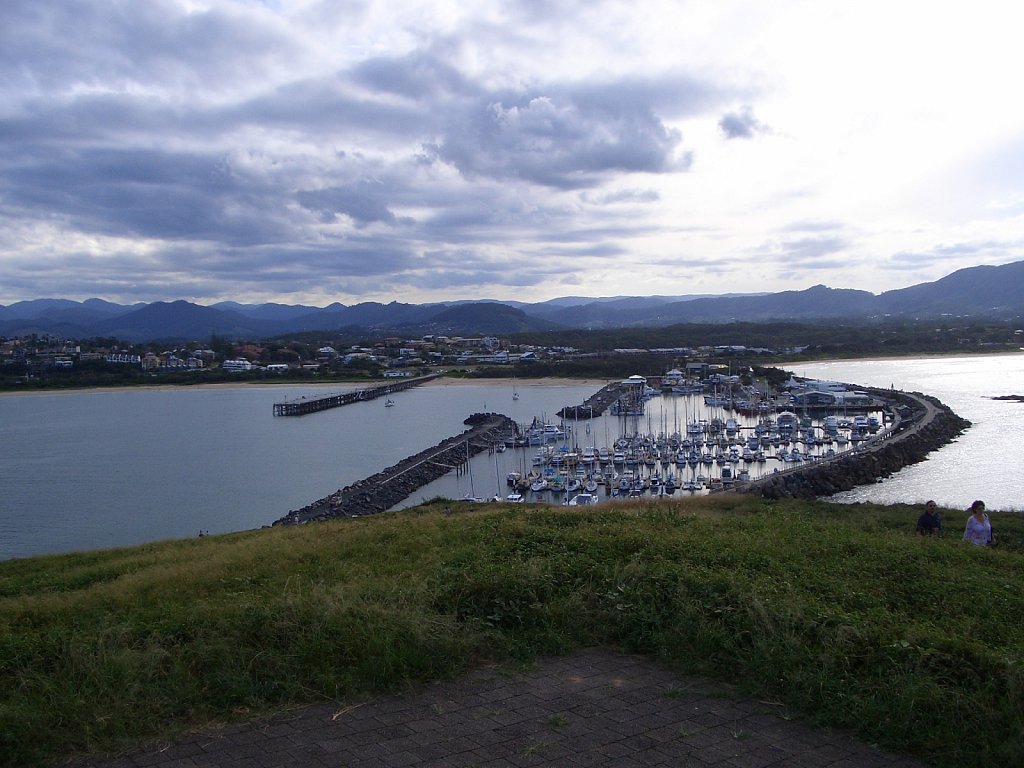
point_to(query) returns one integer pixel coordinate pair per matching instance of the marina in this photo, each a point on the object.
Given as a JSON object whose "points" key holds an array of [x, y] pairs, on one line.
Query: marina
{"points": [[664, 440], [93, 469]]}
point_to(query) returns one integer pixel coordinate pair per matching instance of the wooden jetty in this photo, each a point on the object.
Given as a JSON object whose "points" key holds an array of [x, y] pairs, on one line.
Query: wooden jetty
{"points": [[304, 405]]}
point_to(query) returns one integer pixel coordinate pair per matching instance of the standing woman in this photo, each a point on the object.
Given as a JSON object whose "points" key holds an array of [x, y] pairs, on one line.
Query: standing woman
{"points": [[979, 528]]}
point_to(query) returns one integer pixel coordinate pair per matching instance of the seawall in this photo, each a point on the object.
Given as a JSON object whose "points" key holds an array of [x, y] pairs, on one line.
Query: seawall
{"points": [[920, 424], [382, 491], [595, 405]]}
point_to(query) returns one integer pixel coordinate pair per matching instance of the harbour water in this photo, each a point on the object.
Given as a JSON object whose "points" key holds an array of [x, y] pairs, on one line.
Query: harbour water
{"points": [[97, 469], [986, 462], [104, 468]]}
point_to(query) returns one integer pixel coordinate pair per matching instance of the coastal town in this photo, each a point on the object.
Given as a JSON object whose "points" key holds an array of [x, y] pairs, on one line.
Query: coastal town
{"points": [[36, 359]]}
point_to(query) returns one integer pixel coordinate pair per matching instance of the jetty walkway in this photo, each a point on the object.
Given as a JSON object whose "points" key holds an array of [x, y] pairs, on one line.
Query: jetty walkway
{"points": [[304, 405]]}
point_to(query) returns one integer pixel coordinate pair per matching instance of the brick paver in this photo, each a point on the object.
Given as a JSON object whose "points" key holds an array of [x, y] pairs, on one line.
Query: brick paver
{"points": [[597, 708]]}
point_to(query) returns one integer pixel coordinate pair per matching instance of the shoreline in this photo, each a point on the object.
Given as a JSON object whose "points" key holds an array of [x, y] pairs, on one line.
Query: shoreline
{"points": [[884, 358], [341, 385], [445, 381]]}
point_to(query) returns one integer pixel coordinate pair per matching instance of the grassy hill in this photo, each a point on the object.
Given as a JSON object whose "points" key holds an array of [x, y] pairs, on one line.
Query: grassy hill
{"points": [[839, 611]]}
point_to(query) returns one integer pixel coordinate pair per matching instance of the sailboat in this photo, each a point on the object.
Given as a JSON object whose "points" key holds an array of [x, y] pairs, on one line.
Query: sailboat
{"points": [[388, 402]]}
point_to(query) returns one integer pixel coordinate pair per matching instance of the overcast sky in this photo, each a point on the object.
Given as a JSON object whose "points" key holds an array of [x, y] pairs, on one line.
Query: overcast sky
{"points": [[312, 152]]}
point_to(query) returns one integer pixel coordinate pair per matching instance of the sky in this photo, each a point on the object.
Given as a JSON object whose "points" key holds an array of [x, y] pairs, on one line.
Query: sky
{"points": [[312, 152]]}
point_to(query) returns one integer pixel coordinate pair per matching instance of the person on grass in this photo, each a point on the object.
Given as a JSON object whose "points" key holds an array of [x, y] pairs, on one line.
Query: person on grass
{"points": [[979, 528], [929, 522]]}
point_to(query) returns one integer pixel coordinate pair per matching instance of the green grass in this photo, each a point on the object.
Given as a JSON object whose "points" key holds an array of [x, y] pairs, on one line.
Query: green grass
{"points": [[838, 611]]}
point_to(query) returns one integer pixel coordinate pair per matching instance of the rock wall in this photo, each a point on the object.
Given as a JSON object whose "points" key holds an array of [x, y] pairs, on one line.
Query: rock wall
{"points": [[595, 405], [382, 491], [923, 425]]}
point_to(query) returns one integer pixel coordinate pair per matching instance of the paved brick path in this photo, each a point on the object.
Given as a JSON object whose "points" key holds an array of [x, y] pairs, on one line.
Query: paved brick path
{"points": [[597, 708]]}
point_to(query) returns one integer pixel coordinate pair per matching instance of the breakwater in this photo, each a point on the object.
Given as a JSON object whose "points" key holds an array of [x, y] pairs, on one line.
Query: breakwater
{"points": [[305, 405], [382, 491], [920, 424], [595, 405]]}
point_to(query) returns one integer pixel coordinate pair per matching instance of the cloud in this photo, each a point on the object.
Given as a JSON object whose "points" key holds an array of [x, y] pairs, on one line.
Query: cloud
{"points": [[984, 251], [626, 196], [224, 147], [364, 202], [558, 141], [146, 193], [741, 124], [810, 253], [157, 45]]}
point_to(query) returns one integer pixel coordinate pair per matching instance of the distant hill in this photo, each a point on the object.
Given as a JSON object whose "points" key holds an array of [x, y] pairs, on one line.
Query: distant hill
{"points": [[178, 320], [986, 291], [978, 292], [271, 312], [487, 318]]}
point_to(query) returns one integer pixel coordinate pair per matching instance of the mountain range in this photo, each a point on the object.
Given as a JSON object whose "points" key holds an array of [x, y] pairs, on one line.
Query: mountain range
{"points": [[994, 292]]}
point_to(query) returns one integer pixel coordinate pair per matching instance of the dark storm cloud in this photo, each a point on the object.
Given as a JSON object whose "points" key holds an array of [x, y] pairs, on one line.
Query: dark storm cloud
{"points": [[741, 124]]}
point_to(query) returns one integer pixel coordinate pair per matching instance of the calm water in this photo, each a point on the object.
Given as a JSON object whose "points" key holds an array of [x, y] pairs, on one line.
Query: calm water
{"points": [[90, 470], [986, 462]]}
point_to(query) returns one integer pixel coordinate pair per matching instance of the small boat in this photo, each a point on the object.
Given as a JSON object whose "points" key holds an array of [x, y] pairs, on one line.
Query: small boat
{"points": [[388, 402], [515, 498]]}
